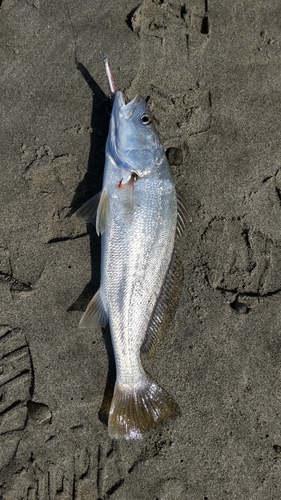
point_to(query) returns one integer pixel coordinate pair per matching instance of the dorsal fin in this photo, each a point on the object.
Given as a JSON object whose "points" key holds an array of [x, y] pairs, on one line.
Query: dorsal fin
{"points": [[182, 215], [165, 306]]}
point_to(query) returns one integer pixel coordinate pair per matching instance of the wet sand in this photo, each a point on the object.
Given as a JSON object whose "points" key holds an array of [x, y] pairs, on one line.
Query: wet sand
{"points": [[211, 73]]}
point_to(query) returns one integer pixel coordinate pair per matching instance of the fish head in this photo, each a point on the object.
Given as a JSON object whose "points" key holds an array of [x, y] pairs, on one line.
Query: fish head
{"points": [[133, 141]]}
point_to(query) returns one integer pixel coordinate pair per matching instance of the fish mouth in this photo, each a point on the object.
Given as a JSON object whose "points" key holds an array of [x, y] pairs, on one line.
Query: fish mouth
{"points": [[126, 109]]}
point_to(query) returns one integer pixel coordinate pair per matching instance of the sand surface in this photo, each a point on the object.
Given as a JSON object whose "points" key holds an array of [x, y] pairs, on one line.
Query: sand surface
{"points": [[211, 71]]}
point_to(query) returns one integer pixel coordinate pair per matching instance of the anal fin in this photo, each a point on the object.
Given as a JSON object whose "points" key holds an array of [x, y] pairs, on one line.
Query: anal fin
{"points": [[95, 314]]}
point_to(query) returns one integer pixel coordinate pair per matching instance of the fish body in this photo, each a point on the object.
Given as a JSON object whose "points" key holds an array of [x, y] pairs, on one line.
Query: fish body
{"points": [[137, 214]]}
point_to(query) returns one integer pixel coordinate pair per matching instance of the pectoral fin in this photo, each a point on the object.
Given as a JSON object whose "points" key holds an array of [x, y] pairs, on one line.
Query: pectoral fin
{"points": [[88, 211], [102, 213], [95, 211], [95, 314]]}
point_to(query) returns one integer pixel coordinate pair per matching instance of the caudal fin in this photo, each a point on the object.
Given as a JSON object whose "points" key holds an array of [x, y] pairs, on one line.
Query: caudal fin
{"points": [[135, 412]]}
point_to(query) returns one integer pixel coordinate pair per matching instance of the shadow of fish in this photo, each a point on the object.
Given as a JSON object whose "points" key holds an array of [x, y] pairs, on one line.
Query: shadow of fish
{"points": [[139, 216]]}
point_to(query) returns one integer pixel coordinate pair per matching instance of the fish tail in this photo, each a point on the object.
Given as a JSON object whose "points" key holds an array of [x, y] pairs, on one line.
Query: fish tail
{"points": [[136, 411]]}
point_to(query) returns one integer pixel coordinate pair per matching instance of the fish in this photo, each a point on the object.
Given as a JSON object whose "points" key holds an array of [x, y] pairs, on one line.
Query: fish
{"points": [[139, 216]]}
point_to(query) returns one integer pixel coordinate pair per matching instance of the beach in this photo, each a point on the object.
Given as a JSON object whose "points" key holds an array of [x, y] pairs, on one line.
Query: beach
{"points": [[210, 72]]}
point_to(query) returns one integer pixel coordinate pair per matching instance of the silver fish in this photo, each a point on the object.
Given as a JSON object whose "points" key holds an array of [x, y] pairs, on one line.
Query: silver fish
{"points": [[139, 216]]}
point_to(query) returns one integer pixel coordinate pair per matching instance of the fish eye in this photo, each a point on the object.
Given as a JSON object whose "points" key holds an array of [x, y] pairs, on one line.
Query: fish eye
{"points": [[146, 119], [134, 177]]}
